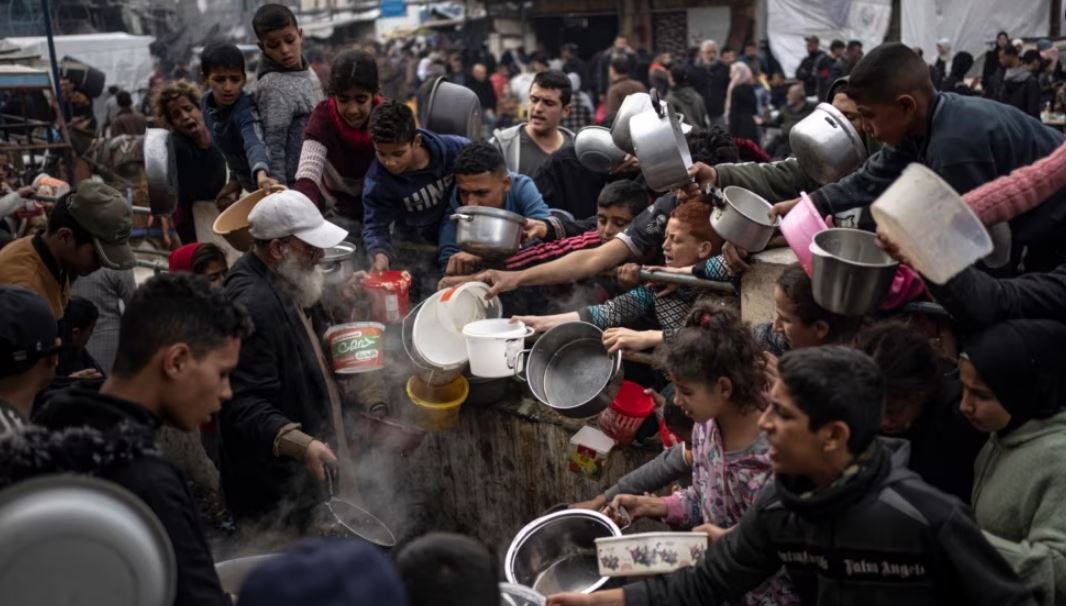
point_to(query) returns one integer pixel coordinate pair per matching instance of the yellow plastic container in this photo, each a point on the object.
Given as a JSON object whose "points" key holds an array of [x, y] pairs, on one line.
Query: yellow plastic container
{"points": [[437, 405]]}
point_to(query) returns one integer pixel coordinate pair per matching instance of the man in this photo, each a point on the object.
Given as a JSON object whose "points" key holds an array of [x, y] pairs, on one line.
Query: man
{"points": [[942, 65], [180, 341], [86, 230], [572, 63], [285, 407], [127, 121], [568, 185], [29, 353], [684, 98], [844, 517], [486, 95], [621, 84], [1019, 87], [806, 72], [751, 56], [527, 145], [620, 48], [796, 108], [712, 81], [843, 66], [825, 65]]}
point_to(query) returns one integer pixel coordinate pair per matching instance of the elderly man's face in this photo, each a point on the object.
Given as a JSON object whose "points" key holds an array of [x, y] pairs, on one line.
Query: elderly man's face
{"points": [[479, 72], [795, 95], [620, 43], [709, 53]]}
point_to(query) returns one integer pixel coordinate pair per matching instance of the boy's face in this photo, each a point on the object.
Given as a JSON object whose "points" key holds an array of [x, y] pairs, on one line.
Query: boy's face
{"points": [[483, 189], [798, 333], [186, 118], [892, 121], [397, 158], [794, 448], [612, 220], [354, 106], [200, 385], [681, 248], [546, 109], [79, 337], [901, 413], [980, 406], [284, 46], [226, 84]]}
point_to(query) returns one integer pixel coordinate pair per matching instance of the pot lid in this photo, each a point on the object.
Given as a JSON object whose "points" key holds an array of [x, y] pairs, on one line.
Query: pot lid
{"points": [[340, 252], [489, 211]]}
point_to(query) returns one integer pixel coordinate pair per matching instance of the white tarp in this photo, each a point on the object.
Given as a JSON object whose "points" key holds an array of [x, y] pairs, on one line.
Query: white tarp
{"points": [[970, 25], [124, 58], [790, 21]]}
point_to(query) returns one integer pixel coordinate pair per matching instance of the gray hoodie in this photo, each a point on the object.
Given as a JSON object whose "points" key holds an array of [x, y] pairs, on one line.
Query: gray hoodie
{"points": [[286, 99]]}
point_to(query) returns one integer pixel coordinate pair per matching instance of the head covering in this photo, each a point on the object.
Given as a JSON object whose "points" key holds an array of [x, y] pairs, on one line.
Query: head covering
{"points": [[1043, 44], [290, 213], [961, 64], [105, 214], [740, 74], [28, 330], [1023, 362], [181, 258], [325, 573]]}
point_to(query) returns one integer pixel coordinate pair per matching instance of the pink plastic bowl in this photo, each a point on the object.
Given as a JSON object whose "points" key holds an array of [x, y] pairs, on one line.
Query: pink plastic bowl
{"points": [[799, 227]]}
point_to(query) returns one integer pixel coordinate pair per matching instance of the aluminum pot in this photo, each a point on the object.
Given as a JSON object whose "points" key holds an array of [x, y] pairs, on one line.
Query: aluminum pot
{"points": [[451, 109], [596, 150], [488, 232], [519, 595], [632, 105], [160, 171], [556, 553], [851, 274], [660, 145], [338, 264], [740, 217], [826, 145], [568, 370]]}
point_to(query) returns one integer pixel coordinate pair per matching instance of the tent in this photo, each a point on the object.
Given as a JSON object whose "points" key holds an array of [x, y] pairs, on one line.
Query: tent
{"points": [[790, 21], [124, 58]]}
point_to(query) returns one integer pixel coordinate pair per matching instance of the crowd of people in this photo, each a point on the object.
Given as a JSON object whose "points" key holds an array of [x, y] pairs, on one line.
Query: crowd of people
{"points": [[906, 456]]}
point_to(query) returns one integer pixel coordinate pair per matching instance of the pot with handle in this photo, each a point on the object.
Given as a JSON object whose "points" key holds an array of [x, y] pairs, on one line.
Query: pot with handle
{"points": [[666, 277], [488, 232], [569, 370], [852, 274], [338, 264], [632, 105], [740, 217], [494, 345], [660, 145], [826, 145]]}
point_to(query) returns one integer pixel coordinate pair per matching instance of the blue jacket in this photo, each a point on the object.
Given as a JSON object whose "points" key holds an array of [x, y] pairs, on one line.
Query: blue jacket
{"points": [[523, 198], [416, 200], [236, 131]]}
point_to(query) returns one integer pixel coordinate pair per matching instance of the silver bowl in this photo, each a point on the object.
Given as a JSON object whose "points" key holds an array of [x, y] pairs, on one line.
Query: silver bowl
{"points": [[556, 553], [850, 274], [826, 145], [596, 150]]}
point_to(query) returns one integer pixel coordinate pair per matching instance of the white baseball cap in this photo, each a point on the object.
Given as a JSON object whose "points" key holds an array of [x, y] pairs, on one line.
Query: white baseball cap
{"points": [[290, 213]]}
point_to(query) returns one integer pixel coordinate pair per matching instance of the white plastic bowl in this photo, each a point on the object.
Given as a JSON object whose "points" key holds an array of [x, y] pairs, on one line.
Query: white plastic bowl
{"points": [[649, 553]]}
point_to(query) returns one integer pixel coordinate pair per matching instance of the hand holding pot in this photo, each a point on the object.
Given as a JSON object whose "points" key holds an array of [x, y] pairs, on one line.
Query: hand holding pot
{"points": [[781, 209], [462, 263], [317, 457], [713, 532], [534, 229], [628, 276], [638, 506], [615, 339], [595, 504], [735, 258]]}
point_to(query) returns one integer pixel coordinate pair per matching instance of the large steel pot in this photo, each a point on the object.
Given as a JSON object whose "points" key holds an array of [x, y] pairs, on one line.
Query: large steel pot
{"points": [[160, 171], [632, 105], [488, 232], [338, 264], [596, 150], [826, 145], [740, 217], [660, 145], [851, 274], [556, 553], [568, 370], [451, 109]]}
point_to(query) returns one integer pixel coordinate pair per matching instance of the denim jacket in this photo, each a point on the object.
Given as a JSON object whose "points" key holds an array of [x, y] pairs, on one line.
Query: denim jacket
{"points": [[236, 131]]}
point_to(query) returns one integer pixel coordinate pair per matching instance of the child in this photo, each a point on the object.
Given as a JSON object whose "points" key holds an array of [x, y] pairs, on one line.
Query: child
{"points": [[716, 367], [203, 259], [443, 569], [1013, 388], [409, 182], [689, 241], [80, 322], [799, 321], [233, 120], [482, 179], [286, 91], [337, 151]]}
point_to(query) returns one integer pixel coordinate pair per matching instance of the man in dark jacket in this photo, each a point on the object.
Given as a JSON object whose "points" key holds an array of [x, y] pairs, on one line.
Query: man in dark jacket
{"points": [[807, 72], [179, 343], [712, 81], [977, 300], [844, 518], [280, 418], [684, 98], [1018, 86]]}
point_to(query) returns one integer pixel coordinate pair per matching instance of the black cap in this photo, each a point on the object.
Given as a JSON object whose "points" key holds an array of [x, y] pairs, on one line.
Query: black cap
{"points": [[28, 330], [812, 39]]}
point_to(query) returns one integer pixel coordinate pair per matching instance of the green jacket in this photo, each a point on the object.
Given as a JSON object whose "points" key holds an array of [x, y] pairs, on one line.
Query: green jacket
{"points": [[775, 181], [1019, 495]]}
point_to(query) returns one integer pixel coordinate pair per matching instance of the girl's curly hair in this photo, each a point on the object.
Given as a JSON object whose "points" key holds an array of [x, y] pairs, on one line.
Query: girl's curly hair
{"points": [[170, 92]]}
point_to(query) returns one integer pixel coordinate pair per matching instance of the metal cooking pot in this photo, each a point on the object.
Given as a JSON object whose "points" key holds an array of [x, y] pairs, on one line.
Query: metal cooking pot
{"points": [[556, 553], [160, 171], [826, 145], [338, 264], [740, 217], [568, 370], [851, 274], [632, 105], [451, 109], [660, 146], [596, 150], [519, 595], [488, 232]]}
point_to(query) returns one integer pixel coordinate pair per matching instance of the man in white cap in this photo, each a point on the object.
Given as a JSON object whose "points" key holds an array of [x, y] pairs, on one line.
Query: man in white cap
{"points": [[278, 431]]}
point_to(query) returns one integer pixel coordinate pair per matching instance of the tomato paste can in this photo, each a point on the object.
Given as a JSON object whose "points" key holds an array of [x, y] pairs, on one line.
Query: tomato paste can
{"points": [[357, 347]]}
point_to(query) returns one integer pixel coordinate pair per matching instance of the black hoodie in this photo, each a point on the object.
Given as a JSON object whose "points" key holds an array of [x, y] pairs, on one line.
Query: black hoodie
{"points": [[882, 538], [117, 440]]}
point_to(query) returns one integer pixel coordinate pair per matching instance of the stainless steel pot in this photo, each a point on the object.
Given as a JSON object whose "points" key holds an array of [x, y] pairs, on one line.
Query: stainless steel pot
{"points": [[338, 264], [632, 105], [519, 595], [451, 109], [850, 275], [160, 171], [568, 370], [596, 150], [660, 145], [826, 145], [488, 232], [740, 217], [556, 553]]}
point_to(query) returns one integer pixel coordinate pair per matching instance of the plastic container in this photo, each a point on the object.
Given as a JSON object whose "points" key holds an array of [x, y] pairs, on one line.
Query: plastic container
{"points": [[630, 407], [356, 347], [466, 303], [649, 553], [588, 451], [437, 332], [493, 346], [389, 295], [799, 227], [437, 405], [931, 224]]}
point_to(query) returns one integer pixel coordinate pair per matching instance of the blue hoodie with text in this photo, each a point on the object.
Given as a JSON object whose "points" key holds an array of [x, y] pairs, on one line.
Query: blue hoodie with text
{"points": [[415, 201]]}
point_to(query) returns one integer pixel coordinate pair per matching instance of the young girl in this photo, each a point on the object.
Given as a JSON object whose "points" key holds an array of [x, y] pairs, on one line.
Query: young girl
{"points": [[337, 150], [1014, 386], [689, 241], [799, 321], [717, 370]]}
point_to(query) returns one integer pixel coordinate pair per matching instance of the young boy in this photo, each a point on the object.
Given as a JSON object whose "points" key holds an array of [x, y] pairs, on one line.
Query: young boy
{"points": [[482, 179], [233, 120], [844, 517], [409, 182], [287, 90], [444, 569]]}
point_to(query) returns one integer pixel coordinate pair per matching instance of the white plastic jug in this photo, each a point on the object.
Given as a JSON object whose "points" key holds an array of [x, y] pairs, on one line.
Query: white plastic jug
{"points": [[493, 346]]}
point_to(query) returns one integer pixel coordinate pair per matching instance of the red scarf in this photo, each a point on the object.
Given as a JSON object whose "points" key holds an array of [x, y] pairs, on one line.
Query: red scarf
{"points": [[351, 137]]}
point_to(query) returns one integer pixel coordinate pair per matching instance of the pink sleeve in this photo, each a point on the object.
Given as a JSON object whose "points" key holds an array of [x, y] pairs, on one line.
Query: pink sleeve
{"points": [[1025, 188], [680, 507]]}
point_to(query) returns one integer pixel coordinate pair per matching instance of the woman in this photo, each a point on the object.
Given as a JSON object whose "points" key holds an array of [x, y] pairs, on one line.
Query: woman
{"points": [[990, 73], [203, 259], [955, 82], [741, 104]]}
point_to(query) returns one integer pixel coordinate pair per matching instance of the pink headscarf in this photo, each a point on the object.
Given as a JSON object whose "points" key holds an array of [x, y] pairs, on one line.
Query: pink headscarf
{"points": [[739, 74]]}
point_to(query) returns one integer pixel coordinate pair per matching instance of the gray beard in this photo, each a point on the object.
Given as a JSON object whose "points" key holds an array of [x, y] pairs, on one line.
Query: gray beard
{"points": [[303, 286]]}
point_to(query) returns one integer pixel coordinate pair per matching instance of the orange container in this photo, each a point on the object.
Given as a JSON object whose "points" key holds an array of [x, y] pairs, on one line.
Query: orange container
{"points": [[357, 347], [389, 295]]}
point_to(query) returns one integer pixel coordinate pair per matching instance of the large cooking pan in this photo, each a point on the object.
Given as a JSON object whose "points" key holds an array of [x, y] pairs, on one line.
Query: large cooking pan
{"points": [[161, 171], [660, 145], [569, 370], [634, 104], [450, 109], [826, 145]]}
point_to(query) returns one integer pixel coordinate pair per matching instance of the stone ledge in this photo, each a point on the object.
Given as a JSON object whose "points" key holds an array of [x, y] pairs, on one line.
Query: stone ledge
{"points": [[757, 284]]}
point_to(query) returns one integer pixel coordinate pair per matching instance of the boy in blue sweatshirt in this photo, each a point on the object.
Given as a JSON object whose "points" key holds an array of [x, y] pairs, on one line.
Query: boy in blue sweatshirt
{"points": [[482, 179], [233, 120], [409, 182]]}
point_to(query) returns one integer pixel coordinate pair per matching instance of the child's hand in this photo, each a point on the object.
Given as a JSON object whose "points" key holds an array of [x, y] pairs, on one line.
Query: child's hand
{"points": [[735, 258], [264, 181], [713, 532], [534, 229], [462, 263], [628, 275], [537, 323], [615, 339], [638, 506], [380, 264]]}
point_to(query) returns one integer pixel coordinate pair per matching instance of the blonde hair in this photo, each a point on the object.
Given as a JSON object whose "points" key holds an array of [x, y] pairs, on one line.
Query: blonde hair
{"points": [[170, 92]]}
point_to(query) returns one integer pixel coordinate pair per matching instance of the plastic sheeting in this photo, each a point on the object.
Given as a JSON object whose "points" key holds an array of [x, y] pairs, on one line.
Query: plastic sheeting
{"points": [[970, 25], [124, 58], [790, 21]]}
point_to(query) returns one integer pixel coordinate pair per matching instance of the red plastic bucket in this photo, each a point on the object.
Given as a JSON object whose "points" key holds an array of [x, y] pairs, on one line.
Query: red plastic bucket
{"points": [[625, 414], [389, 295], [356, 347]]}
